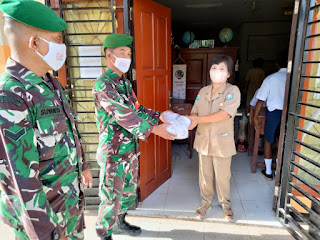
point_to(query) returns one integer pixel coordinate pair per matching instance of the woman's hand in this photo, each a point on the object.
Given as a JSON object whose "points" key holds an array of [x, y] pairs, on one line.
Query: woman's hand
{"points": [[194, 121], [86, 179]]}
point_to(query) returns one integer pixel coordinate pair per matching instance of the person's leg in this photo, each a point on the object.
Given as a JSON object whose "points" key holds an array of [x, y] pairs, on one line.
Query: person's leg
{"points": [[206, 172], [272, 126], [75, 228], [130, 185], [268, 157], [269, 134], [222, 171], [128, 198], [111, 185], [205, 184]]}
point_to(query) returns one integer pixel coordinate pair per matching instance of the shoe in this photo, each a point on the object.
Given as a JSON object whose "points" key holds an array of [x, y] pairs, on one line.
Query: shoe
{"points": [[123, 227], [268, 177], [228, 213], [202, 210], [107, 238]]}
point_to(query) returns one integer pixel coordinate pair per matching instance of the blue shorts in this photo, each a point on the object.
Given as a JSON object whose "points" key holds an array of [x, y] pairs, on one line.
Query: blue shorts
{"points": [[272, 125]]}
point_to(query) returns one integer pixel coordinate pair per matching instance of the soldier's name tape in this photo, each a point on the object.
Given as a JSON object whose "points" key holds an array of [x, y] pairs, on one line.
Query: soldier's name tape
{"points": [[49, 111]]}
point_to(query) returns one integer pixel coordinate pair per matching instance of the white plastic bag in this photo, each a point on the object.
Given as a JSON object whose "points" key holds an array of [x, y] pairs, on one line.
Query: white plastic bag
{"points": [[179, 125]]}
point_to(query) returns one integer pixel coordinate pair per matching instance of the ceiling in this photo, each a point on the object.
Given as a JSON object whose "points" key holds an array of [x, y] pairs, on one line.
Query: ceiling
{"points": [[216, 14]]}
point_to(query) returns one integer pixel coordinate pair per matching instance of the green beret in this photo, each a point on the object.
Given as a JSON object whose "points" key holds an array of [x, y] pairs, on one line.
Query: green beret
{"points": [[34, 14], [117, 40]]}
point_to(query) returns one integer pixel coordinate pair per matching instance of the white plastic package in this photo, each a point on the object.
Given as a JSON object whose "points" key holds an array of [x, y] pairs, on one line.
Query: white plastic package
{"points": [[179, 125]]}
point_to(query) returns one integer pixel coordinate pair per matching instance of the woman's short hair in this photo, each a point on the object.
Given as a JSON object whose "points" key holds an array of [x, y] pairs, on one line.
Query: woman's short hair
{"points": [[223, 58]]}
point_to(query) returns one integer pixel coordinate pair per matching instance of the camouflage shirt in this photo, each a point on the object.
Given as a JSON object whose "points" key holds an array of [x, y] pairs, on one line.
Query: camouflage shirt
{"points": [[41, 157], [121, 121]]}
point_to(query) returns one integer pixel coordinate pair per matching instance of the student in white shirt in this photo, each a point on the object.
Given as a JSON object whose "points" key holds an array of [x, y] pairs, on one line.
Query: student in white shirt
{"points": [[272, 92]]}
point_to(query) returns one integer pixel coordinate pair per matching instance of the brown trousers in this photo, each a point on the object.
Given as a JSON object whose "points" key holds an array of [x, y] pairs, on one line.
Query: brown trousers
{"points": [[219, 167]]}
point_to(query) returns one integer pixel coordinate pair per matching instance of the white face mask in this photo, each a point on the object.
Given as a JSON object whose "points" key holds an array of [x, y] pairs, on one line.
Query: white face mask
{"points": [[217, 76], [56, 55], [123, 64]]}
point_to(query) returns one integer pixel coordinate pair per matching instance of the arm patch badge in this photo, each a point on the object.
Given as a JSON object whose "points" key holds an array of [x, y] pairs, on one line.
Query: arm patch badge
{"points": [[229, 96], [14, 136]]}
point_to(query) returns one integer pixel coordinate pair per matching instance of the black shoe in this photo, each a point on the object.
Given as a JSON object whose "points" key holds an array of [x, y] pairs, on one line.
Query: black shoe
{"points": [[107, 238], [268, 177], [123, 227]]}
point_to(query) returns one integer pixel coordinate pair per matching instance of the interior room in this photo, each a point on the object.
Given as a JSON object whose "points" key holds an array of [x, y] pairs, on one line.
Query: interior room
{"points": [[245, 30]]}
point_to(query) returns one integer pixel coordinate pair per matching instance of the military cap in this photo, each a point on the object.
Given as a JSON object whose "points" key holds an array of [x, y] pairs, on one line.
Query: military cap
{"points": [[34, 14], [117, 40]]}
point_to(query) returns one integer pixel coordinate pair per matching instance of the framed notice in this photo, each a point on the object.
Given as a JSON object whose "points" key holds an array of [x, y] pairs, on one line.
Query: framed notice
{"points": [[179, 81], [90, 62]]}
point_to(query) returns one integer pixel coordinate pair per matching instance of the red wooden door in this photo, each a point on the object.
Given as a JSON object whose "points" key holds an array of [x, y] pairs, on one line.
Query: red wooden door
{"points": [[152, 40]]}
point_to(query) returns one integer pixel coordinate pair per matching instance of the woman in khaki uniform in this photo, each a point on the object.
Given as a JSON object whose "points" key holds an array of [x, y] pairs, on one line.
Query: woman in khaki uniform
{"points": [[213, 111]]}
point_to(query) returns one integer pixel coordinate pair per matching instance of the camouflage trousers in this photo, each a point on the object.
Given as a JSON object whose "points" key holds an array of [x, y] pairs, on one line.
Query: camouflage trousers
{"points": [[72, 225], [118, 184]]}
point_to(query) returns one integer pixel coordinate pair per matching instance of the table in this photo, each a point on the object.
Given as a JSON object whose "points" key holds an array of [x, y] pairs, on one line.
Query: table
{"points": [[185, 109]]}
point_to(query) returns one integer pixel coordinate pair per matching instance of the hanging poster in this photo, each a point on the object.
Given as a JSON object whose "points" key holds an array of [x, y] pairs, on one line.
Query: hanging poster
{"points": [[179, 81], [89, 61]]}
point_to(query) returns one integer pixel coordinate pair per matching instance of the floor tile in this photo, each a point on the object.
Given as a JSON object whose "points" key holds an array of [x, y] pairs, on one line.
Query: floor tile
{"points": [[163, 189], [182, 172], [244, 177], [241, 162], [254, 191], [182, 201], [260, 212], [154, 203], [234, 194]]}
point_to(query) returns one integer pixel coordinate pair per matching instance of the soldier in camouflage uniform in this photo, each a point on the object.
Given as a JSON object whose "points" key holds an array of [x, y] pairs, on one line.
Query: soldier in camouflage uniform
{"points": [[41, 158], [121, 121]]}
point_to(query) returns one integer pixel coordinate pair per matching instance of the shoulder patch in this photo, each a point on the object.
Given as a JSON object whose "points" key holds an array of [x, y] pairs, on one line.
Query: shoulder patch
{"points": [[48, 111], [229, 96], [112, 93], [197, 98], [9, 99], [14, 136]]}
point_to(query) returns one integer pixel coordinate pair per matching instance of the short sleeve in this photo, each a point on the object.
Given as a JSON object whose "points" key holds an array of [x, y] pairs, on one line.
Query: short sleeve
{"points": [[264, 90], [194, 109], [232, 101], [254, 100]]}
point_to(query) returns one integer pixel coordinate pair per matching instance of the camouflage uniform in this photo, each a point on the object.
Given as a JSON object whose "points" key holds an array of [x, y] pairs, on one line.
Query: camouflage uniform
{"points": [[121, 121], [41, 158]]}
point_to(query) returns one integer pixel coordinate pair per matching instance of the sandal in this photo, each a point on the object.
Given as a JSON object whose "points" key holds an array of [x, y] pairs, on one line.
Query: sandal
{"points": [[202, 210], [228, 213]]}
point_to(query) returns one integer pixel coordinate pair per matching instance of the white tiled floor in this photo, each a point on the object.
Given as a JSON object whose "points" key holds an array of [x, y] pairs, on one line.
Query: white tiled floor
{"points": [[179, 197]]}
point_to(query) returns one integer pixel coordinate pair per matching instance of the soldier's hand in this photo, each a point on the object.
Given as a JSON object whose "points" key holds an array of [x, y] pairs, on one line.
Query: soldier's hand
{"points": [[161, 131], [162, 116], [86, 179]]}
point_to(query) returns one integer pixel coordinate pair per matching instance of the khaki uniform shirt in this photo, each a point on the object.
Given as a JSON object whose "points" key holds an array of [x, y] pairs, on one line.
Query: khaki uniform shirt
{"points": [[217, 138]]}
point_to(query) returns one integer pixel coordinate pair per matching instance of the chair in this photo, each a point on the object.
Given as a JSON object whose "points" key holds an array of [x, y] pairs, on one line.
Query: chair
{"points": [[254, 141]]}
